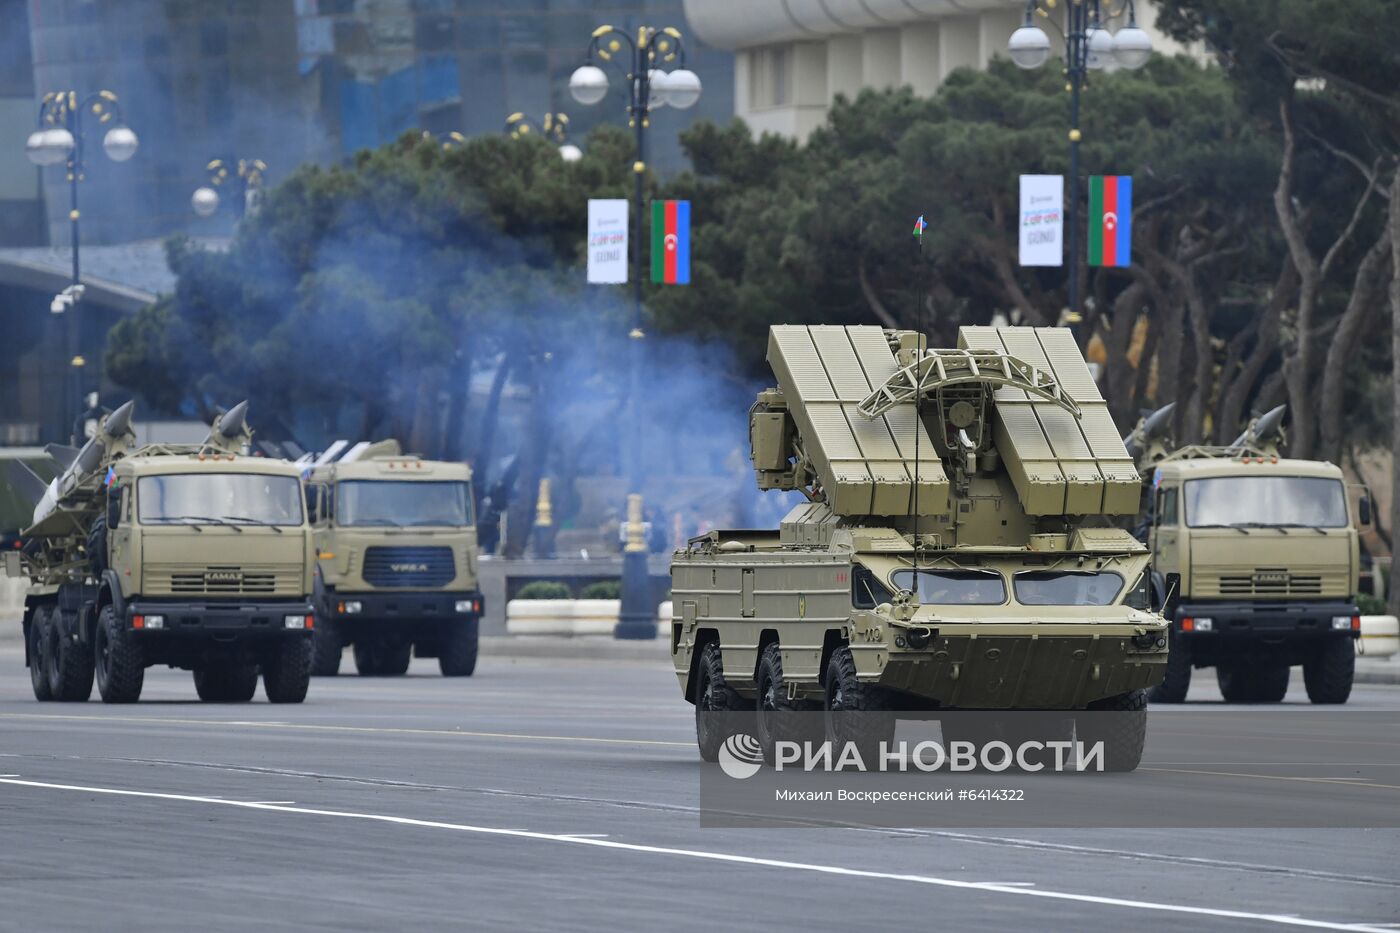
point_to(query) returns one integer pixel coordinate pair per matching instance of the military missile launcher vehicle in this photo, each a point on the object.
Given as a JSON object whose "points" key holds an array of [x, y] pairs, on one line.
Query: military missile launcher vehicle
{"points": [[945, 558], [1262, 553], [194, 556], [397, 561]]}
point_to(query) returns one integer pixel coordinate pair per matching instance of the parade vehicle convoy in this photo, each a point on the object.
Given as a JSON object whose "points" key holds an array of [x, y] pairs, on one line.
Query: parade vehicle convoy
{"points": [[945, 559], [1264, 555], [193, 556], [397, 561]]}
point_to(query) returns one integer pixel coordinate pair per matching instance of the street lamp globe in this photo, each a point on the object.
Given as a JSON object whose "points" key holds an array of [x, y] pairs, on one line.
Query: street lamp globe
{"points": [[1100, 48], [120, 143], [49, 147], [205, 201], [588, 84], [682, 88], [34, 147], [570, 153], [1029, 47], [658, 89], [1132, 47]]}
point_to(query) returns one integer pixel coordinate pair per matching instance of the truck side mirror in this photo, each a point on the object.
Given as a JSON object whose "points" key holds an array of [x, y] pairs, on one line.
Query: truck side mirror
{"points": [[114, 508], [1363, 511], [313, 504]]}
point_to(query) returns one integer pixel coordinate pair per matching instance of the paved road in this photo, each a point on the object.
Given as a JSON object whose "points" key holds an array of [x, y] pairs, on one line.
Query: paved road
{"points": [[550, 794]]}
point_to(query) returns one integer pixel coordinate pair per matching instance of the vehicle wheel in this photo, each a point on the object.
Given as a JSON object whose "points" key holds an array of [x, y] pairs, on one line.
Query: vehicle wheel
{"points": [[1270, 682], [70, 666], [780, 719], [1243, 681], [286, 671], [226, 682], [394, 658], [366, 659], [855, 713], [1119, 722], [1328, 673], [326, 648], [716, 704], [39, 648], [121, 669], [1178, 680], [457, 656]]}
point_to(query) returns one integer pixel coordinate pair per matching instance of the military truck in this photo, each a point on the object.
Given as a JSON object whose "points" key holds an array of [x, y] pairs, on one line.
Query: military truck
{"points": [[397, 562], [1264, 555], [943, 560], [193, 556]]}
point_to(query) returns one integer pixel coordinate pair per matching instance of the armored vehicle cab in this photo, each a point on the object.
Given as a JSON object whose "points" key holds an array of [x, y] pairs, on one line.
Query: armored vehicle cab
{"points": [[194, 556], [1264, 554], [397, 567], [943, 560]]}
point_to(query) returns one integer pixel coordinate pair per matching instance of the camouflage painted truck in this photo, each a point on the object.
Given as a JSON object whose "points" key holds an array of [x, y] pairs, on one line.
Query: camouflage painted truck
{"points": [[1263, 555], [397, 567], [193, 556], [944, 559]]}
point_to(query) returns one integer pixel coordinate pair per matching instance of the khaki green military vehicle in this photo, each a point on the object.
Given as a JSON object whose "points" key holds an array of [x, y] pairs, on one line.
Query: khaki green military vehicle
{"points": [[944, 559], [194, 556], [1263, 553], [397, 568]]}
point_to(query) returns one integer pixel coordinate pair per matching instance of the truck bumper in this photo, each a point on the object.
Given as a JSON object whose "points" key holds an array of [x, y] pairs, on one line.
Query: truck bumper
{"points": [[161, 619], [1266, 622], [347, 607]]}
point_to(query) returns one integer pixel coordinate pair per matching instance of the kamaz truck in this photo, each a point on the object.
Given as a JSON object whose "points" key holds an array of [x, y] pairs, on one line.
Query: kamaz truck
{"points": [[193, 556], [397, 561], [1260, 553], [944, 560]]}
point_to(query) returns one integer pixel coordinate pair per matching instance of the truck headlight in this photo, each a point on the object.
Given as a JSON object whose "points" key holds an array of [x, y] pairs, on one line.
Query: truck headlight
{"points": [[297, 621], [1346, 623], [350, 607], [1197, 625], [465, 605], [148, 622]]}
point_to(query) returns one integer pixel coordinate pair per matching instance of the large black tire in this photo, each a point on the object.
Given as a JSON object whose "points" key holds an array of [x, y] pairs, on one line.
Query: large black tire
{"points": [[716, 704], [1178, 680], [1328, 673], [394, 658], [457, 657], [779, 719], [226, 682], [367, 659], [1120, 722], [121, 668], [69, 665], [97, 545], [39, 648], [1258, 681], [286, 671], [856, 713], [326, 648]]}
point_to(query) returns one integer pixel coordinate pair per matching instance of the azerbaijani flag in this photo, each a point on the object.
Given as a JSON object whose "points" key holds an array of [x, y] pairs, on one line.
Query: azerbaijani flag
{"points": [[1110, 220], [670, 242], [919, 228]]}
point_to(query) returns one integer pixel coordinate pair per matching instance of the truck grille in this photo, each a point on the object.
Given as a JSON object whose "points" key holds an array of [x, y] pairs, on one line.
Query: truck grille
{"points": [[222, 580], [1267, 581], [404, 567]]}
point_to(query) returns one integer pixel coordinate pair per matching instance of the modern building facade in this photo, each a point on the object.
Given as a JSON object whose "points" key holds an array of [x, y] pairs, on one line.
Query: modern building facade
{"points": [[792, 57]]}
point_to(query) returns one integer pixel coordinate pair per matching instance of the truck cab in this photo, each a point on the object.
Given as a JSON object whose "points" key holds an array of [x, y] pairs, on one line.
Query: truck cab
{"points": [[396, 567]]}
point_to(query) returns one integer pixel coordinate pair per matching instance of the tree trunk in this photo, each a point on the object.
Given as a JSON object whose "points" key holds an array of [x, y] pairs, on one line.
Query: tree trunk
{"points": [[1370, 274], [534, 449], [459, 391], [1394, 590], [1119, 376], [1229, 420], [490, 418]]}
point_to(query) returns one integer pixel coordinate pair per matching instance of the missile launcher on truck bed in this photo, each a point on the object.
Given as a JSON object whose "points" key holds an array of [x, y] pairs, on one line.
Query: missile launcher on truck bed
{"points": [[946, 558]]}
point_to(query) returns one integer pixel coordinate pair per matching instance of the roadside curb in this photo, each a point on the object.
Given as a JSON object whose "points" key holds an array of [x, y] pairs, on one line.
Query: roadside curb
{"points": [[1377, 672], [593, 647]]}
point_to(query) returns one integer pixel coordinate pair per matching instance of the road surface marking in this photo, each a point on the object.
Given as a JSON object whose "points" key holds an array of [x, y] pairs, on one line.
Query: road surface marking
{"points": [[1354, 782], [731, 858], [328, 728]]}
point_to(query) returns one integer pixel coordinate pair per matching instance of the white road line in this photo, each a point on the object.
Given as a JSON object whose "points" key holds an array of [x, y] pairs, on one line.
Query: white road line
{"points": [[732, 858]]}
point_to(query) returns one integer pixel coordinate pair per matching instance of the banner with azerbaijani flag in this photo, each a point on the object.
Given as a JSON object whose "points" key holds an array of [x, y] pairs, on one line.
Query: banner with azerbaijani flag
{"points": [[670, 242], [1110, 220]]}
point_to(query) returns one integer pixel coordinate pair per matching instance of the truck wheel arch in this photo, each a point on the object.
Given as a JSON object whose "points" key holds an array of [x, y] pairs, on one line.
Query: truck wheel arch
{"points": [[703, 637], [768, 636], [835, 638], [110, 594]]}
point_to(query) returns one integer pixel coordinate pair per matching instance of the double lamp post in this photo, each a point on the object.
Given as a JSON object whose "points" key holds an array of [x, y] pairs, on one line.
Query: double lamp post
{"points": [[649, 87]]}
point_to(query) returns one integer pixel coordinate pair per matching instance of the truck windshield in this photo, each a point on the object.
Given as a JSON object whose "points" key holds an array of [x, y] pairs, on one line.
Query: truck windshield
{"points": [[1279, 501], [250, 498], [954, 587], [403, 504], [1067, 588]]}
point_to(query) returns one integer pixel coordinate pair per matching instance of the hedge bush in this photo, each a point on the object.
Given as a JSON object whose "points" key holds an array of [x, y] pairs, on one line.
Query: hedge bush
{"points": [[544, 589]]}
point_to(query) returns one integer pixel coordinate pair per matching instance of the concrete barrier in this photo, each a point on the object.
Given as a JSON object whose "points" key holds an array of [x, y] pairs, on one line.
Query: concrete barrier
{"points": [[1380, 637], [572, 617], [11, 607]]}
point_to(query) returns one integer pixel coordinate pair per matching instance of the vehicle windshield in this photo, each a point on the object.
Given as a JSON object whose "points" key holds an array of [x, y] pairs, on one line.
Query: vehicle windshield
{"points": [[251, 498], [1067, 588], [954, 587], [1277, 501], [403, 503]]}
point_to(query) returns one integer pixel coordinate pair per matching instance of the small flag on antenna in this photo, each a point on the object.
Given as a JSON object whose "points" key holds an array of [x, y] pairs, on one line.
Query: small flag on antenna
{"points": [[919, 227], [111, 478]]}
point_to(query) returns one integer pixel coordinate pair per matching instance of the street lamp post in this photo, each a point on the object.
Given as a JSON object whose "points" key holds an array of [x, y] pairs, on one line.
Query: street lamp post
{"points": [[1088, 47], [649, 87], [60, 138], [552, 126], [246, 176]]}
